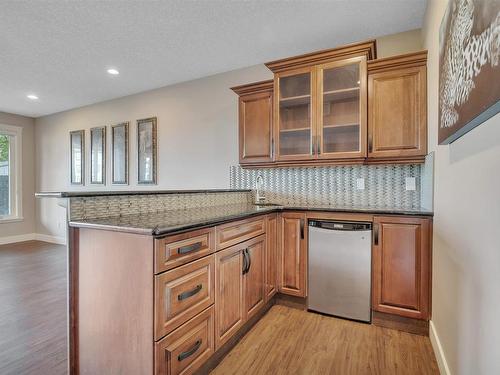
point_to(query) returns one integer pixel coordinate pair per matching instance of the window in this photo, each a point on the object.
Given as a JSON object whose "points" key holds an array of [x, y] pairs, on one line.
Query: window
{"points": [[10, 173]]}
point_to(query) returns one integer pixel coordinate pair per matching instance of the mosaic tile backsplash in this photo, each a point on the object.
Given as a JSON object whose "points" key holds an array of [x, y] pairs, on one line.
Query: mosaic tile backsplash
{"points": [[111, 206], [335, 186]]}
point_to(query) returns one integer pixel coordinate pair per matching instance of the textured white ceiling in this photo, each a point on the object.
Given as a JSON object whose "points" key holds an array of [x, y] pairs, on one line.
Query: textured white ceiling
{"points": [[60, 50]]}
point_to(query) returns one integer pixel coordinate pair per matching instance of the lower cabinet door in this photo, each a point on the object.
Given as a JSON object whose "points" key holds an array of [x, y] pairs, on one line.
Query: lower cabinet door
{"points": [[254, 277], [293, 254], [271, 267], [401, 266], [229, 293], [184, 350]]}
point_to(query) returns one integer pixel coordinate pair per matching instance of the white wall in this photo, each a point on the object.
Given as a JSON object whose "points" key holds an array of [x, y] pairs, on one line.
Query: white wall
{"points": [[466, 255], [27, 225], [197, 133], [197, 138]]}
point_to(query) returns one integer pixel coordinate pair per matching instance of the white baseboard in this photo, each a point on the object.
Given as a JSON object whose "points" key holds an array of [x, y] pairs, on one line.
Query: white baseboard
{"points": [[31, 237], [438, 350], [51, 239], [18, 238]]}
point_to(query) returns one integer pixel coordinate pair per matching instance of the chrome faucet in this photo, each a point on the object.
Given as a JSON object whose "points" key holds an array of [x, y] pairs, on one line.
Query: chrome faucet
{"points": [[259, 196]]}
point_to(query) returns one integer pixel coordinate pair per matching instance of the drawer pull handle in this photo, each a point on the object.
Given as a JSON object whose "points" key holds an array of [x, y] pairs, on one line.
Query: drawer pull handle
{"points": [[375, 234], [189, 293], [190, 352], [189, 248]]}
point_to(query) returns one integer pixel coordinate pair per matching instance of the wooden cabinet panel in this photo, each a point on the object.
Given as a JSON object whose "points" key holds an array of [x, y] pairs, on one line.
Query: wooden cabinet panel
{"points": [[397, 109], [112, 302], [232, 233], [255, 122], [293, 254], [182, 293], [271, 267], [254, 277], [188, 347], [179, 249], [402, 266], [229, 293]]}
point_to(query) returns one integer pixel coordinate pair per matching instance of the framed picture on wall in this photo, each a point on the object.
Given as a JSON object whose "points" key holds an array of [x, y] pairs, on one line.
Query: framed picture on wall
{"points": [[119, 154], [98, 155], [77, 157], [469, 66], [146, 151]]}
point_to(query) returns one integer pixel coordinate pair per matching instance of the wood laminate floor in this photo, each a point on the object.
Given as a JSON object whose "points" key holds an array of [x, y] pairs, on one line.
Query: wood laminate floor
{"points": [[290, 341], [33, 309]]}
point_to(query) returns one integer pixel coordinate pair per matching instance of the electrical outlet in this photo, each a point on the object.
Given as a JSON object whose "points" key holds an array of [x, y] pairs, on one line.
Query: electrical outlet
{"points": [[410, 183], [360, 184]]}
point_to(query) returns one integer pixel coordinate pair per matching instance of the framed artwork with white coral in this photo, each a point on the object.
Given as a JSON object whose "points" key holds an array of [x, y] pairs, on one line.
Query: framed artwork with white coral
{"points": [[469, 66]]}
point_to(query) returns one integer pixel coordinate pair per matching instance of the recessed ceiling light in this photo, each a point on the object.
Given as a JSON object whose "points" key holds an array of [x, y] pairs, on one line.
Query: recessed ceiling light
{"points": [[113, 72], [32, 96]]}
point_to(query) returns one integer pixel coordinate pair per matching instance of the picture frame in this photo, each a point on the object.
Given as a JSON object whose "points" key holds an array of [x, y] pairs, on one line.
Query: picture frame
{"points": [[98, 155], [468, 67], [147, 151], [120, 154], [77, 157]]}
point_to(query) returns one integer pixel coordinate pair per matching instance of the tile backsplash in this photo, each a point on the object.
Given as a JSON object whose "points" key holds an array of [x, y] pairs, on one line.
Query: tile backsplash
{"points": [[336, 185], [109, 206]]}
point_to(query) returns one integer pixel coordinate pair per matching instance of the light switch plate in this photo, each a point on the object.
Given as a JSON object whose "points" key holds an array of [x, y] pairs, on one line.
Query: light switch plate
{"points": [[411, 183], [360, 184]]}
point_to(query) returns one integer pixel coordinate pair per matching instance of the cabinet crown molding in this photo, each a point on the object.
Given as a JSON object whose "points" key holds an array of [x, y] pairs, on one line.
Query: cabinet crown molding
{"points": [[252, 88], [367, 48], [400, 61]]}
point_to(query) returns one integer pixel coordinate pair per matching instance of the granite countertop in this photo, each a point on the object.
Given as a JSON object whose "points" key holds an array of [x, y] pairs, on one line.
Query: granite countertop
{"points": [[103, 193], [171, 221]]}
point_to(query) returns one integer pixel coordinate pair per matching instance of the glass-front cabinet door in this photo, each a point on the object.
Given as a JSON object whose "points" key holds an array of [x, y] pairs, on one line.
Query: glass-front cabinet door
{"points": [[341, 110], [293, 115]]}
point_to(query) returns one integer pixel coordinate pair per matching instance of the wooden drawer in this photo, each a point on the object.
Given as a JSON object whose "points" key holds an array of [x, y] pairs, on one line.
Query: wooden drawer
{"points": [[179, 249], [232, 233], [182, 293], [188, 347]]}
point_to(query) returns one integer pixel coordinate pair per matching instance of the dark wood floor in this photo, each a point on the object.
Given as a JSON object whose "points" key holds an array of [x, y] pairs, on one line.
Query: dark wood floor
{"points": [[33, 309]]}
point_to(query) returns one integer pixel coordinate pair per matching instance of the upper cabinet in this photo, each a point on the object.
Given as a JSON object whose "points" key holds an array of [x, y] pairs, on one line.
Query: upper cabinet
{"points": [[320, 105], [293, 114], [341, 110], [338, 106], [397, 107], [255, 122]]}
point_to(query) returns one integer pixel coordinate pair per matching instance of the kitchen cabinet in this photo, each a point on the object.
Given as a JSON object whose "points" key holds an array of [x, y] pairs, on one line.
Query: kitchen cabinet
{"points": [[293, 254], [397, 107], [240, 289], [182, 293], [341, 111], [271, 266], [229, 292], [255, 107], [254, 276], [401, 266], [320, 105], [188, 347], [338, 106], [294, 114], [320, 111], [238, 231]]}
